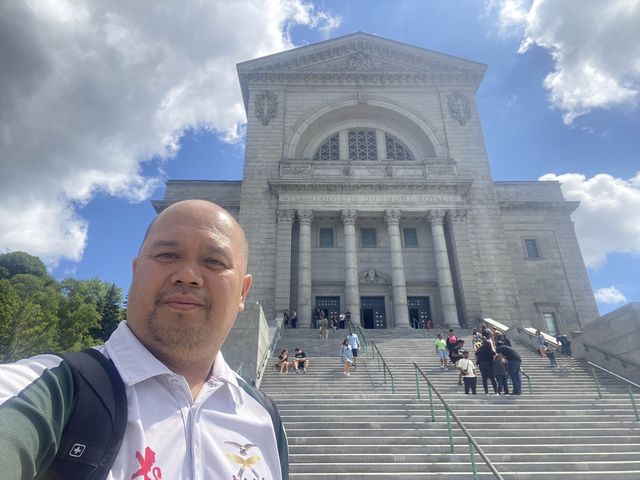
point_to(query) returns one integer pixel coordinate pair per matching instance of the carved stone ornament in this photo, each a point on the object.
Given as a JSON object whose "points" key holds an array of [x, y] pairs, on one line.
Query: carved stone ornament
{"points": [[371, 275], [346, 171], [436, 216], [349, 217], [388, 171], [305, 217], [392, 217], [285, 216], [361, 62], [459, 107], [266, 106]]}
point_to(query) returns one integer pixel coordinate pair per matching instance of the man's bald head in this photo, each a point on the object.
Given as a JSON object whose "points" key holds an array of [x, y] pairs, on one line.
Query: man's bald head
{"points": [[207, 208]]}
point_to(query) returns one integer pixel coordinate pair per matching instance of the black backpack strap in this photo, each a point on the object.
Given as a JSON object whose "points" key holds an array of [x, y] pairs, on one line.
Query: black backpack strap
{"points": [[92, 437], [281, 436]]}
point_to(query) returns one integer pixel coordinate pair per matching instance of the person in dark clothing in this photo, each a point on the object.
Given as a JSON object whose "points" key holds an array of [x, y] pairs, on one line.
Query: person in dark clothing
{"points": [[452, 343], [501, 374], [294, 318], [285, 316], [484, 359], [514, 362]]}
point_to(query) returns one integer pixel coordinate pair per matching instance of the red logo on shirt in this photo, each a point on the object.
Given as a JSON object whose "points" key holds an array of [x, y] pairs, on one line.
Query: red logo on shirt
{"points": [[146, 463]]}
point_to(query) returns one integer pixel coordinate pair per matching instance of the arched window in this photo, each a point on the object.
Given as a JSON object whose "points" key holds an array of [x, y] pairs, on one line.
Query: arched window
{"points": [[329, 150], [362, 145], [395, 149]]}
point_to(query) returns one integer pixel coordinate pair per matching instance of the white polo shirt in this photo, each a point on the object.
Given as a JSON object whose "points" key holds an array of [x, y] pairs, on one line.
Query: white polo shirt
{"points": [[222, 434]]}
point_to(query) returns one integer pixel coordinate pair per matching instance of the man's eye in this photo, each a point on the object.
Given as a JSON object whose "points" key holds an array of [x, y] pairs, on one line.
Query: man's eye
{"points": [[213, 262], [166, 256]]}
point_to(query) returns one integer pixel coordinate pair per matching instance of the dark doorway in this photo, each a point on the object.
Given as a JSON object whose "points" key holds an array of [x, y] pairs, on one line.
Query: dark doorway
{"points": [[330, 305], [419, 311], [372, 312]]}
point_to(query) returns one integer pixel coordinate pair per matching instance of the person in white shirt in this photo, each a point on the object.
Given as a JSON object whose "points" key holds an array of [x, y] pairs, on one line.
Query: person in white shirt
{"points": [[354, 344], [467, 369], [187, 415]]}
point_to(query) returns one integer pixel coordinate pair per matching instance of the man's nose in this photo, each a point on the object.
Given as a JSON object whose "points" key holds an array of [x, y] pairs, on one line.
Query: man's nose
{"points": [[187, 273]]}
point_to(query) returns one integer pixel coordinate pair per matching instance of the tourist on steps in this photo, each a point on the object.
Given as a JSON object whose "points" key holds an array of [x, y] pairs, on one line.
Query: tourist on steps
{"points": [[501, 373], [467, 369], [484, 357], [346, 357], [354, 343], [441, 351], [301, 360], [514, 362]]}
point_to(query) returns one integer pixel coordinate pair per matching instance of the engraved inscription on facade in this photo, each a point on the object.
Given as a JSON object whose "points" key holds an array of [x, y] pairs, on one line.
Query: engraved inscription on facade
{"points": [[368, 199]]}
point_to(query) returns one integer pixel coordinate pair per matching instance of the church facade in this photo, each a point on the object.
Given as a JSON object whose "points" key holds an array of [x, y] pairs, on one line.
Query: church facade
{"points": [[367, 188]]}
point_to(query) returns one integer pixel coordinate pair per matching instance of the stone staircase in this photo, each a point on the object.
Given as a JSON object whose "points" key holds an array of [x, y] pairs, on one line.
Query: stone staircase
{"points": [[341, 427]]}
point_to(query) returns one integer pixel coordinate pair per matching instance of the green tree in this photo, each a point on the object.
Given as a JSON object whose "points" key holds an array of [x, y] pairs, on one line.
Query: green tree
{"points": [[22, 262], [28, 320]]}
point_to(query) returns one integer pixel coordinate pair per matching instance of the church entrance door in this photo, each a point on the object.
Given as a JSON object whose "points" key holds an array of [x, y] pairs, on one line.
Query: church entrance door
{"points": [[419, 311], [330, 306], [372, 312]]}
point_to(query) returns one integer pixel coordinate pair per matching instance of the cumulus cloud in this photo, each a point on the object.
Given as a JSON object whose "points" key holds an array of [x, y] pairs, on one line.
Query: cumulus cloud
{"points": [[89, 90], [594, 46], [608, 218], [609, 296]]}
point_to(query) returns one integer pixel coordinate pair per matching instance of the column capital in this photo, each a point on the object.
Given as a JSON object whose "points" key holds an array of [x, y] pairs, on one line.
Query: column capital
{"points": [[285, 215], [436, 216], [349, 217], [305, 216], [392, 217]]}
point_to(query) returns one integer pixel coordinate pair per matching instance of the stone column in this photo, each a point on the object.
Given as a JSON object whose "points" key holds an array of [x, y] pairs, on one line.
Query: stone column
{"points": [[398, 285], [304, 268], [468, 299], [351, 291], [283, 260], [447, 296]]}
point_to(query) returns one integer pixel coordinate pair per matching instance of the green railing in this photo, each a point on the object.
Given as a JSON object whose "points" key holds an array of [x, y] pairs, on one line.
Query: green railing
{"points": [[608, 355], [630, 385], [360, 332], [240, 369], [473, 445], [268, 354], [382, 365]]}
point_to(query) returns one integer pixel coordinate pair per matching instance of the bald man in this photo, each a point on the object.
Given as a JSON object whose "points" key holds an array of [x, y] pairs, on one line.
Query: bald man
{"points": [[187, 415]]}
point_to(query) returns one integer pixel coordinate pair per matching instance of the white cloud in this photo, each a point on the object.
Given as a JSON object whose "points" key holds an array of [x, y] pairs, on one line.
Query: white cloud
{"points": [[595, 46], [608, 218], [609, 296], [90, 89]]}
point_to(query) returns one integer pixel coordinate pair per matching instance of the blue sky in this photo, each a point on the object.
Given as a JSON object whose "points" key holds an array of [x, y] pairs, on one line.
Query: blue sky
{"points": [[155, 98]]}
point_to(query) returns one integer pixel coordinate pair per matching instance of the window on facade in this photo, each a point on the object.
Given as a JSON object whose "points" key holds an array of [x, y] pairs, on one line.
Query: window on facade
{"points": [[549, 319], [362, 145], [395, 149], [329, 150], [410, 237], [531, 248], [368, 237], [326, 237]]}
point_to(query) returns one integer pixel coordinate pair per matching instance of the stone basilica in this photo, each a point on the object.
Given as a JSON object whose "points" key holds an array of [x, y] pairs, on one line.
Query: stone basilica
{"points": [[367, 187]]}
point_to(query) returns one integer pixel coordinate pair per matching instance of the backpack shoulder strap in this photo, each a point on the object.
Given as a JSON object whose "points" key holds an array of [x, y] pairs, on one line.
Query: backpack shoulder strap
{"points": [[281, 436], [92, 437]]}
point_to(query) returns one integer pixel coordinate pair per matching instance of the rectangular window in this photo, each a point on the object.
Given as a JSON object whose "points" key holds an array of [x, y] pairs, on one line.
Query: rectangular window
{"points": [[410, 237], [531, 248], [550, 323], [326, 237], [368, 237]]}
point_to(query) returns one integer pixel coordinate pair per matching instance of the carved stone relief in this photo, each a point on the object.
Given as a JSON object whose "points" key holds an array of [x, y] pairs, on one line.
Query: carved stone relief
{"points": [[266, 106], [459, 107]]}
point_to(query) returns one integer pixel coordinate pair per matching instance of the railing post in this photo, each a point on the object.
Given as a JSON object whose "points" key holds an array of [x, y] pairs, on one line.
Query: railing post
{"points": [[473, 461], [449, 428], [393, 387], [633, 403], [595, 378], [433, 412], [384, 374], [529, 383], [415, 369]]}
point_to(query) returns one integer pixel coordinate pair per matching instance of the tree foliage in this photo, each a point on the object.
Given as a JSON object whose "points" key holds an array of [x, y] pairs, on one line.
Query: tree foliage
{"points": [[39, 314]]}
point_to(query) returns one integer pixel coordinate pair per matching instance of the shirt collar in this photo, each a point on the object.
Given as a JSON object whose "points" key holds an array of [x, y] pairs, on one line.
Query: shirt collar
{"points": [[136, 364]]}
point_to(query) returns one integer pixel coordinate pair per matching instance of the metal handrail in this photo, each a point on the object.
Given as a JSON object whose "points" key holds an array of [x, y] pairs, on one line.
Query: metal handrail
{"points": [[360, 334], [268, 353], [240, 369], [629, 383], [385, 367], [606, 354], [450, 414]]}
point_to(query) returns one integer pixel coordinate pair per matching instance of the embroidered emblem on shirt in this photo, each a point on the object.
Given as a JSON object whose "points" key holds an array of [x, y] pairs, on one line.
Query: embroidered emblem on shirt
{"points": [[243, 462], [77, 450], [146, 463]]}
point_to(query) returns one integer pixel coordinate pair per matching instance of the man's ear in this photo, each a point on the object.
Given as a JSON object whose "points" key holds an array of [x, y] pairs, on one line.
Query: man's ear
{"points": [[134, 264], [246, 285]]}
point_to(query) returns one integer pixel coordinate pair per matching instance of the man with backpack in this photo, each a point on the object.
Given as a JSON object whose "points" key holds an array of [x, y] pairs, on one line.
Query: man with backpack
{"points": [[162, 401]]}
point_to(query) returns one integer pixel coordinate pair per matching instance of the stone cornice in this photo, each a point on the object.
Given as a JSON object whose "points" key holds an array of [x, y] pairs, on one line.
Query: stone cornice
{"points": [[459, 187]]}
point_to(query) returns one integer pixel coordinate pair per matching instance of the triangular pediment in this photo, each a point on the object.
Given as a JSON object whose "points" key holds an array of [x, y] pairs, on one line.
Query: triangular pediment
{"points": [[360, 53], [360, 58]]}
